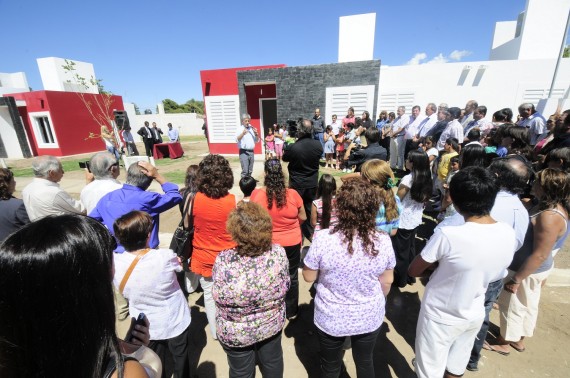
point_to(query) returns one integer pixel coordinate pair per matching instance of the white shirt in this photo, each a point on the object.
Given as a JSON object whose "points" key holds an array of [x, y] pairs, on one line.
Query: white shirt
{"points": [[452, 130], [153, 289], [399, 123], [470, 257], [536, 125], [43, 197], [412, 211], [173, 135], [95, 190], [247, 142], [413, 127], [426, 125], [336, 127]]}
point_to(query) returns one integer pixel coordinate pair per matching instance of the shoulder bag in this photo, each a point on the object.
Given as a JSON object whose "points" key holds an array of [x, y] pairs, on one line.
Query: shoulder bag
{"points": [[181, 242]]}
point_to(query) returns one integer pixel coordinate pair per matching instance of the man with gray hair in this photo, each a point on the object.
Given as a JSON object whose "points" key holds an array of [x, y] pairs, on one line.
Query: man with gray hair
{"points": [[133, 196], [246, 138], [43, 196], [102, 179], [397, 141], [533, 121]]}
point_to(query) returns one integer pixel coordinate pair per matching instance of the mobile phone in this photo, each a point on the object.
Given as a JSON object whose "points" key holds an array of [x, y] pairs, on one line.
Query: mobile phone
{"points": [[84, 164], [139, 321]]}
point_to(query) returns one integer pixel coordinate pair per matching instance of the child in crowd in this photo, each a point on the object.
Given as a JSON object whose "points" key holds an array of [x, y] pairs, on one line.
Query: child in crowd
{"points": [[329, 147], [269, 144], [323, 211], [427, 145], [491, 142], [247, 185], [340, 148], [451, 149], [279, 141], [447, 208]]}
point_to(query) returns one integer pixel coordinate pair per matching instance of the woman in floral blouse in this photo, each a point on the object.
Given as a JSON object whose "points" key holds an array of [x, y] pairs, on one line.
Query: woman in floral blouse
{"points": [[250, 283], [354, 263]]}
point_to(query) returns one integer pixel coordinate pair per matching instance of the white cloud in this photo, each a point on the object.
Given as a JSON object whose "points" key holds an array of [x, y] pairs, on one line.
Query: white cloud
{"points": [[417, 59], [459, 54], [438, 59]]}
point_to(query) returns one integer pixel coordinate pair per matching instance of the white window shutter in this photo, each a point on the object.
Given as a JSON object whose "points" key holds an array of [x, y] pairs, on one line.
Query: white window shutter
{"points": [[339, 99], [223, 118]]}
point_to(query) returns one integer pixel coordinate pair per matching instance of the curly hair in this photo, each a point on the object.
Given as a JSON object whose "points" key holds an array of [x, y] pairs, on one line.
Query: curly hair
{"points": [[379, 173], [6, 177], [215, 177], [251, 228], [357, 203], [555, 185], [275, 184]]}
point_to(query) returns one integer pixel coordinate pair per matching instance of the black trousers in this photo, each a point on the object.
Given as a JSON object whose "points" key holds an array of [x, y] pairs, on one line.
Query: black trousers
{"points": [[269, 353], [174, 355], [362, 353], [148, 146], [308, 196], [405, 250], [292, 296]]}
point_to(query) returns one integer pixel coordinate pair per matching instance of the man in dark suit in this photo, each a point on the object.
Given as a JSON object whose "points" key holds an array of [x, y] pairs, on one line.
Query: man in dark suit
{"points": [[303, 157], [373, 151], [148, 139]]}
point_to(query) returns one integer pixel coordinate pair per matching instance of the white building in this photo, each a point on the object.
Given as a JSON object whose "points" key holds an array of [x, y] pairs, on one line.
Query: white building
{"points": [[523, 57]]}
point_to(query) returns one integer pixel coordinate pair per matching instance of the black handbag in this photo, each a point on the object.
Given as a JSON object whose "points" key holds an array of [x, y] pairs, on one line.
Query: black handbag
{"points": [[181, 242]]}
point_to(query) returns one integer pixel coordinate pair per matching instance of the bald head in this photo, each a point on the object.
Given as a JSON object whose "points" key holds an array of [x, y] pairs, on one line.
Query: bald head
{"points": [[514, 174]]}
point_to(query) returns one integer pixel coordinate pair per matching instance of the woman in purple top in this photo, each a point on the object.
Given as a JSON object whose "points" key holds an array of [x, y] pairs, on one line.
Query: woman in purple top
{"points": [[354, 265], [250, 283]]}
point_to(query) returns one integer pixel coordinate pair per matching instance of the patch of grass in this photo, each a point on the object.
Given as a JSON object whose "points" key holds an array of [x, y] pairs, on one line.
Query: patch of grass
{"points": [[165, 162], [192, 138], [176, 177]]}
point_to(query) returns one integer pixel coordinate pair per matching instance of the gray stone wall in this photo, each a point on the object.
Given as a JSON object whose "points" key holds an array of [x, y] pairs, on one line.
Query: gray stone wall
{"points": [[302, 89]]}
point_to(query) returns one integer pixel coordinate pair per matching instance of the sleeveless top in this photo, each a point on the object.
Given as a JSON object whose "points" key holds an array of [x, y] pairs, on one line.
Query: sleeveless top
{"points": [[526, 250]]}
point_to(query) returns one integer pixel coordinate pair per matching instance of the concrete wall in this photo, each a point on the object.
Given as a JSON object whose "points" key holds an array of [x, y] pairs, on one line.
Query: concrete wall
{"points": [[54, 77], [13, 82], [186, 123], [302, 89], [9, 146], [495, 84], [356, 37]]}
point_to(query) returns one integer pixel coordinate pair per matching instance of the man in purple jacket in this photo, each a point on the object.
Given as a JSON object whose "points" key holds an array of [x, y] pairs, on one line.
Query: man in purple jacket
{"points": [[133, 196]]}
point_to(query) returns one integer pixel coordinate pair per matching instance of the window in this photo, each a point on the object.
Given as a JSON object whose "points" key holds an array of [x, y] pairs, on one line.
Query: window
{"points": [[223, 118], [391, 101], [535, 94], [339, 99], [43, 129]]}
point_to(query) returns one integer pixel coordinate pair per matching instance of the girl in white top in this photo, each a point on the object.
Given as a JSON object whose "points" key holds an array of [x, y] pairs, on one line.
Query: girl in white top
{"points": [[431, 151], [414, 191], [279, 141], [152, 289]]}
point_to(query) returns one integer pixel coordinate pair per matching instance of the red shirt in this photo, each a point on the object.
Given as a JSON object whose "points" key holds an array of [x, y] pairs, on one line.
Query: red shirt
{"points": [[286, 226]]}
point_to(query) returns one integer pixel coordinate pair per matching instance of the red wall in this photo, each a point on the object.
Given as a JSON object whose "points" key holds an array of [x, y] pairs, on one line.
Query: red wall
{"points": [[224, 82], [71, 120]]}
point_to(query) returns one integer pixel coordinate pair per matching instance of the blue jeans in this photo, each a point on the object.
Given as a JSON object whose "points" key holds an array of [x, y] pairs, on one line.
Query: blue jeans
{"points": [[493, 291], [269, 353], [320, 138], [362, 353]]}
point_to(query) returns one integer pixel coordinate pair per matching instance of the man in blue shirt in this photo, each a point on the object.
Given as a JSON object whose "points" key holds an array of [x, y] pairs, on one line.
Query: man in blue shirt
{"points": [[246, 138], [172, 134], [133, 196]]}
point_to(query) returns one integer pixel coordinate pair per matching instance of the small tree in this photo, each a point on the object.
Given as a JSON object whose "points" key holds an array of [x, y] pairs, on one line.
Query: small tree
{"points": [[99, 107], [566, 53]]}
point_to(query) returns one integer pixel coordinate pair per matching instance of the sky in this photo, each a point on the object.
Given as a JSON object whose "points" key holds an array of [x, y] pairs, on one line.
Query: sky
{"points": [[147, 51]]}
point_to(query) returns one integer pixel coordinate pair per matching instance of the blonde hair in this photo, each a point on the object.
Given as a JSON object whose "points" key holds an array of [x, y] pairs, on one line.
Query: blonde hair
{"points": [[377, 172]]}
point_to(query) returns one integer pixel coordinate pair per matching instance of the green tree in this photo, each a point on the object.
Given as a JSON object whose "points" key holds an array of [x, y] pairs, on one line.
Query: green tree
{"points": [[190, 106], [566, 53], [137, 110]]}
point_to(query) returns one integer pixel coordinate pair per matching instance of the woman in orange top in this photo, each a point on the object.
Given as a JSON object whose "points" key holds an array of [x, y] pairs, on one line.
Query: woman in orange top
{"points": [[287, 213], [212, 205]]}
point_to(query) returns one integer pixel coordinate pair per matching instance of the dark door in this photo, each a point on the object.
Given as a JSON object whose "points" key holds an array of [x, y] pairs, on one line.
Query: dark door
{"points": [[268, 114]]}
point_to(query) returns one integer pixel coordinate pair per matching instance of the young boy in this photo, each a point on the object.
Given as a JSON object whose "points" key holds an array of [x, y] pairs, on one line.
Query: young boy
{"points": [[466, 259], [246, 184]]}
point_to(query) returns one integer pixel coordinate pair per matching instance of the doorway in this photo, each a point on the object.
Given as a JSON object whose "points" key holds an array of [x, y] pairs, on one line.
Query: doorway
{"points": [[268, 115]]}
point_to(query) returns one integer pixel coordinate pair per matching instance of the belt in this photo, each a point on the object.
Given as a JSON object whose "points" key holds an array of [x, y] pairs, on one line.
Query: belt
{"points": [[243, 149]]}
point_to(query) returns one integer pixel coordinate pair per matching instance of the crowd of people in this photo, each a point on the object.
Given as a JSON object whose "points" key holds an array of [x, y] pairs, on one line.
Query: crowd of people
{"points": [[500, 189]]}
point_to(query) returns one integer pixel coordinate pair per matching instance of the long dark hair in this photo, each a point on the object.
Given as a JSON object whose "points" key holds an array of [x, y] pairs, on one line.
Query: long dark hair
{"points": [[190, 184], [275, 184], [473, 155], [326, 191], [422, 184], [57, 313]]}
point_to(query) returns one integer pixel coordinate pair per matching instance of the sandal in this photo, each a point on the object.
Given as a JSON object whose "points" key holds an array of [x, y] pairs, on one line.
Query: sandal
{"points": [[488, 346], [520, 350]]}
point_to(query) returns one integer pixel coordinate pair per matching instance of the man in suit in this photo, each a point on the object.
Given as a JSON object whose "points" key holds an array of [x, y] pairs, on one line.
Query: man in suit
{"points": [[156, 132], [148, 139], [468, 117]]}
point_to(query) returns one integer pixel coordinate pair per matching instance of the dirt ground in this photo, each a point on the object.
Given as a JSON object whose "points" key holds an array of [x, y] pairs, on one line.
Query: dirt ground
{"points": [[547, 353]]}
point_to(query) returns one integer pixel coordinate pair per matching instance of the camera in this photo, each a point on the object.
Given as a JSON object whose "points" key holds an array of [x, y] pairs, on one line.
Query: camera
{"points": [[84, 164]]}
